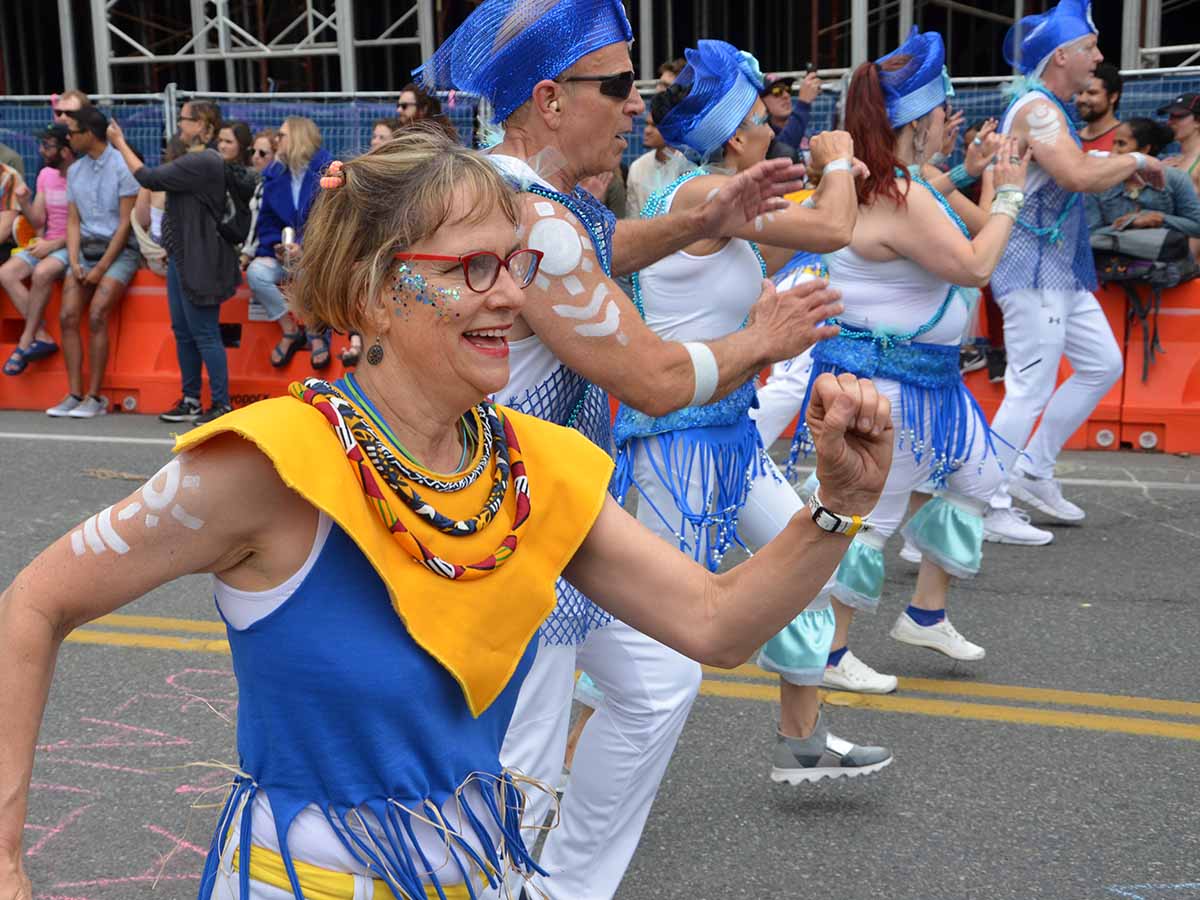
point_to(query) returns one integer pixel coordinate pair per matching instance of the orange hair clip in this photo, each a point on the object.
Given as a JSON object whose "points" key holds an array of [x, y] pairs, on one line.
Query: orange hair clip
{"points": [[334, 177]]}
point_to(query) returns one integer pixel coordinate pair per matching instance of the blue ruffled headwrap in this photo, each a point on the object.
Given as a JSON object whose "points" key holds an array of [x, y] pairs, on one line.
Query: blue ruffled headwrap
{"points": [[505, 47], [1042, 34], [922, 84], [723, 85]]}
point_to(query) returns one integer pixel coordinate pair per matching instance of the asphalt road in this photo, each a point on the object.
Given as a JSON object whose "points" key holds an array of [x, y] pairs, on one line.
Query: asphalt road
{"points": [[1063, 766]]}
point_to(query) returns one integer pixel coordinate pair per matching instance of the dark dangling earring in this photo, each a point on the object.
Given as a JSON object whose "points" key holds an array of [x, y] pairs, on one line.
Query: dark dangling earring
{"points": [[375, 353]]}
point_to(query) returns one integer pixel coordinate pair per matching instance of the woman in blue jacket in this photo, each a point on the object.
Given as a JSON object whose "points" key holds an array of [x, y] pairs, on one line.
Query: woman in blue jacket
{"points": [[287, 194]]}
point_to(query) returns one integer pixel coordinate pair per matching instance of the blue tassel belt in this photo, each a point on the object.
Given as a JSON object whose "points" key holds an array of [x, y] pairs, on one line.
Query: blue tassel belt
{"points": [[715, 449], [939, 417]]}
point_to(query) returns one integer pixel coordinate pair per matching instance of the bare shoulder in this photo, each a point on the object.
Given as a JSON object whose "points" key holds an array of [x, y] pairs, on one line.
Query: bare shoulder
{"points": [[697, 190]]}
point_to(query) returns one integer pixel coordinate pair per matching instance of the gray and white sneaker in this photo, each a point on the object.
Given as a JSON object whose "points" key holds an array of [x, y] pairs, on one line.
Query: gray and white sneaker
{"points": [[1045, 495], [1010, 525], [90, 407], [63, 407], [823, 755]]}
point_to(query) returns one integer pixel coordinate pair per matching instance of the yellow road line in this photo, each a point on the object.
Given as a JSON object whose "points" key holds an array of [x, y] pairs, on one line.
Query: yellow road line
{"points": [[161, 623], [985, 712], [147, 641], [1009, 692]]}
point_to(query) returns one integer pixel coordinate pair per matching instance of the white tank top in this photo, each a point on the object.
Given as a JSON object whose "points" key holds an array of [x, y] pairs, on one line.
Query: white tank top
{"points": [[1037, 176], [701, 298]]}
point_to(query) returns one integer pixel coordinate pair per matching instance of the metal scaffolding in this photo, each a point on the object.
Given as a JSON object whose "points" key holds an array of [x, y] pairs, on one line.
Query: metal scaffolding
{"points": [[322, 28]]}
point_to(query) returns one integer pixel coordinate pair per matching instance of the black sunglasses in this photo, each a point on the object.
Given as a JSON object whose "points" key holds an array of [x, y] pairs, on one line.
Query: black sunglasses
{"points": [[616, 86], [257, 152]]}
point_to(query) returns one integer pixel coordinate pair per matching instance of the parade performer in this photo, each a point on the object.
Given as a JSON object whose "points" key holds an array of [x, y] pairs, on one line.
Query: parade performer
{"points": [[1045, 280], [560, 81], [903, 321], [381, 614], [702, 477]]}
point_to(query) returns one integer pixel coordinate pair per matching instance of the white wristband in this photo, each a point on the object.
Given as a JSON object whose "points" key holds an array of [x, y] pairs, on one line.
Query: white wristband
{"points": [[704, 368], [1141, 160], [838, 165]]}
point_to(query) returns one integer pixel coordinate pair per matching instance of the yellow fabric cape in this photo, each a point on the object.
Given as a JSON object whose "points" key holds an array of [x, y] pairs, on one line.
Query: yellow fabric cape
{"points": [[477, 630]]}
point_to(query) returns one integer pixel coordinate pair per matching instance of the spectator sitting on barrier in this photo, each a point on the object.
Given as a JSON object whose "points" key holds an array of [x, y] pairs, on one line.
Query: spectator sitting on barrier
{"points": [[11, 181], [287, 196], [262, 158], [11, 158], [1097, 106], [414, 105], [44, 260], [202, 270], [383, 130], [102, 255], [61, 105], [654, 169], [148, 211], [1184, 115], [1133, 204], [234, 143]]}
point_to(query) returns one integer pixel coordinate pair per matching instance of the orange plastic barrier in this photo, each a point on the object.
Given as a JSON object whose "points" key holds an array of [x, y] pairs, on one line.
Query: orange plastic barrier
{"points": [[143, 371], [1164, 412]]}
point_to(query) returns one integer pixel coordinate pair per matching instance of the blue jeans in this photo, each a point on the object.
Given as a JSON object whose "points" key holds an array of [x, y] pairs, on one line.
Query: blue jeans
{"points": [[263, 275], [197, 342]]}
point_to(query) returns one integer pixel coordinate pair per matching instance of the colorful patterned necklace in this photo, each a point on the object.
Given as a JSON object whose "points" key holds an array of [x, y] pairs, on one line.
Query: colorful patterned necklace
{"points": [[355, 433]]}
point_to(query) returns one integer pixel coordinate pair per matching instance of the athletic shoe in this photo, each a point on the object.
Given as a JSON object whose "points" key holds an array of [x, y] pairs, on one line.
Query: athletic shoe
{"points": [[997, 362], [1045, 495], [212, 414], [852, 674], [823, 755], [971, 359], [186, 410], [909, 553], [1011, 526], [90, 407], [63, 407], [941, 637]]}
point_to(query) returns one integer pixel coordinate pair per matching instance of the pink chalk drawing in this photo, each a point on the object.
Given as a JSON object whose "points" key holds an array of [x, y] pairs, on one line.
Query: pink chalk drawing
{"points": [[50, 832], [179, 856], [126, 736]]}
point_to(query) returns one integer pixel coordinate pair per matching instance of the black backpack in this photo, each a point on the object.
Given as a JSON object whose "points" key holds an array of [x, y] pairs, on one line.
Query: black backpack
{"points": [[233, 224]]}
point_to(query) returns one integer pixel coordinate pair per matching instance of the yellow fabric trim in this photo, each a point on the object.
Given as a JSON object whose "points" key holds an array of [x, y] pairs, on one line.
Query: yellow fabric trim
{"points": [[476, 630], [856, 527], [267, 867]]}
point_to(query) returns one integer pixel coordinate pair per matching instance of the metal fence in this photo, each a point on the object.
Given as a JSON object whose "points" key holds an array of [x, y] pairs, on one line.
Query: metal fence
{"points": [[345, 120]]}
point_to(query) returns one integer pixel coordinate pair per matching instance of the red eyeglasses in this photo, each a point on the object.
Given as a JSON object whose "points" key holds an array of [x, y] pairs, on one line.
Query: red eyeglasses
{"points": [[481, 269]]}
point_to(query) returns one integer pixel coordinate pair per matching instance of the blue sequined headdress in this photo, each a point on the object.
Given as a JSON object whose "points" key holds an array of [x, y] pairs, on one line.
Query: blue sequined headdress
{"points": [[1042, 34], [920, 85], [723, 85], [505, 47]]}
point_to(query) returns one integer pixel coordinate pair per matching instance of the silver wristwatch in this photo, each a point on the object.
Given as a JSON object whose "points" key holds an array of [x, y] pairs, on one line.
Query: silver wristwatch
{"points": [[835, 523]]}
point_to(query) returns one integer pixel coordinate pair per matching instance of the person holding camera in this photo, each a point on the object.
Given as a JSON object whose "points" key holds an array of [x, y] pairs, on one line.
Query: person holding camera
{"points": [[102, 256]]}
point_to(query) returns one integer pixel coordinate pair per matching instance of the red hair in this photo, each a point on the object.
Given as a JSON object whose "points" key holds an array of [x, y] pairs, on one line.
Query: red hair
{"points": [[874, 138]]}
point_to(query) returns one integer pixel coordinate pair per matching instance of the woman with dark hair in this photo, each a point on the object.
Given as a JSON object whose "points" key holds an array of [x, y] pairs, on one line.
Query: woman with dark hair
{"points": [[234, 143], [1133, 203], [903, 320], [202, 270]]}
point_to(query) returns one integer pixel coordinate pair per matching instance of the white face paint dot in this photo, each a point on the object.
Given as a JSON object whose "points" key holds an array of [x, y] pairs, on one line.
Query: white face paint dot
{"points": [[542, 281], [573, 285], [543, 209], [585, 264], [623, 339], [559, 244]]}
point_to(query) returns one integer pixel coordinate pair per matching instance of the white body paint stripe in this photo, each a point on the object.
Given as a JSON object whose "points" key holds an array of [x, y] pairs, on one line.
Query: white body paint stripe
{"points": [[92, 536], [185, 518], [130, 511], [584, 312], [77, 543], [612, 321], [573, 285], [104, 520]]}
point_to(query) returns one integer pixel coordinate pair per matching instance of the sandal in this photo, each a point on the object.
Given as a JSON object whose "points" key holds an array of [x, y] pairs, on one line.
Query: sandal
{"points": [[320, 354], [352, 354], [40, 350], [16, 363], [289, 343]]}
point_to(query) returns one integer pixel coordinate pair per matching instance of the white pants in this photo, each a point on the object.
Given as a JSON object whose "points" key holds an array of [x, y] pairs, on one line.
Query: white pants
{"points": [[780, 398], [619, 761], [1039, 327]]}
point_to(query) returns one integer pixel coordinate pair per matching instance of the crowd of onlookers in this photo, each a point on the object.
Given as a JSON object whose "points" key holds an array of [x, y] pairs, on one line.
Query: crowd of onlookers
{"points": [[227, 200]]}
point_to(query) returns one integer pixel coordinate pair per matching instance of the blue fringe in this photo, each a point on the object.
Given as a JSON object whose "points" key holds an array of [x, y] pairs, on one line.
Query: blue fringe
{"points": [[939, 418], [393, 852]]}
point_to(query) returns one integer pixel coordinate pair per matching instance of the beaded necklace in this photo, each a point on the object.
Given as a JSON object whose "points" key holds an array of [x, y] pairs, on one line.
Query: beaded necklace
{"points": [[888, 340], [655, 206], [356, 435]]}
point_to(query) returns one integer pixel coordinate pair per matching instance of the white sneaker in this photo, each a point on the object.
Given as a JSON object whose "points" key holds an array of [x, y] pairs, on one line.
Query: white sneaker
{"points": [[1011, 526], [1045, 495], [941, 637], [909, 553], [852, 674], [89, 408], [64, 406]]}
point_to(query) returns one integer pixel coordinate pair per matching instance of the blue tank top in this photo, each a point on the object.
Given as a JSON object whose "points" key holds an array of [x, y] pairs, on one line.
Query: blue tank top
{"points": [[338, 707]]}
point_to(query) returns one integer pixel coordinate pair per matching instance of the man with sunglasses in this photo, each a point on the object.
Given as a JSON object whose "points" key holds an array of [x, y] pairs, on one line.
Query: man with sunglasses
{"points": [[562, 86], [789, 116]]}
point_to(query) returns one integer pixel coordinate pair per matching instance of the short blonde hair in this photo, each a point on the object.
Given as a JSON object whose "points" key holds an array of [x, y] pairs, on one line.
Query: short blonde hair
{"points": [[393, 197], [304, 139]]}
